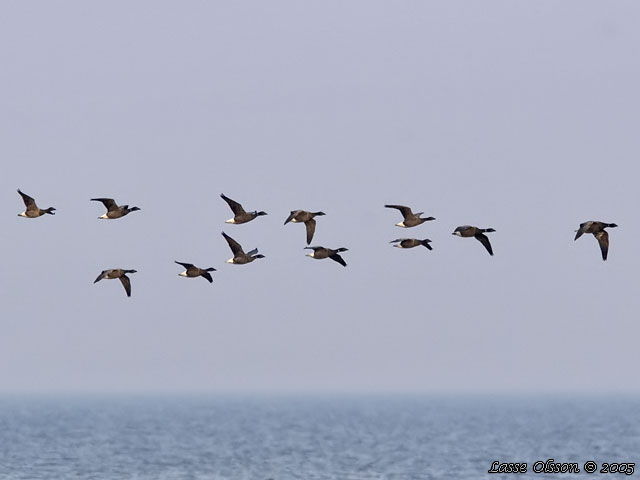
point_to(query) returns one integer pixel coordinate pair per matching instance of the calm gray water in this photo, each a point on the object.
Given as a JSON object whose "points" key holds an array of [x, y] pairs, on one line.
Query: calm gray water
{"points": [[165, 438]]}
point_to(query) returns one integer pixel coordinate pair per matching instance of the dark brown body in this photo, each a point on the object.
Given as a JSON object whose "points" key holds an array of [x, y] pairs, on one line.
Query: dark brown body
{"points": [[302, 216], [467, 231]]}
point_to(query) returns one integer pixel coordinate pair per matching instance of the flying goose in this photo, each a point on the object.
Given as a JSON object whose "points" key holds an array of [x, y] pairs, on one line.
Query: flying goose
{"points": [[410, 219], [320, 253], [32, 210], [117, 273], [240, 215], [302, 216], [192, 271], [113, 210], [239, 257], [411, 242], [598, 231], [477, 233]]}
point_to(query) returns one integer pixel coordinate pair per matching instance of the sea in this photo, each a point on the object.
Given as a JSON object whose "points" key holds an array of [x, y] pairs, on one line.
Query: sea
{"points": [[323, 437]]}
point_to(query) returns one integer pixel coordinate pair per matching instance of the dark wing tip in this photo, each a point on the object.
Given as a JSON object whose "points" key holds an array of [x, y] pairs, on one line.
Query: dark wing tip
{"points": [[311, 228], [484, 240], [603, 241], [208, 276], [126, 283], [235, 207], [337, 258], [235, 247], [291, 215]]}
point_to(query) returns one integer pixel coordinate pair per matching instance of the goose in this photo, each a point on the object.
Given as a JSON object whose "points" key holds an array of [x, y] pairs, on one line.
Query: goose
{"points": [[302, 216], [113, 210], [117, 273], [477, 233], [192, 271], [410, 219], [320, 253], [240, 215], [239, 257], [411, 242], [32, 210], [598, 231]]}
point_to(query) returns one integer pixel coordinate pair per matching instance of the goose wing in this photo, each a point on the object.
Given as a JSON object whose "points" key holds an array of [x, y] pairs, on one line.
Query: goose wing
{"points": [[29, 202], [126, 283], [603, 240], [109, 203], [405, 211], [233, 245], [484, 240], [101, 276], [236, 208], [311, 229], [337, 258], [207, 275], [185, 265], [582, 229], [291, 216]]}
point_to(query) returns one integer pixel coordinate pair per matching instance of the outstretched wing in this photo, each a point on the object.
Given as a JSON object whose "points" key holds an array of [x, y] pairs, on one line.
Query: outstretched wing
{"points": [[29, 202], [109, 203], [101, 276], [337, 258], [185, 265], [291, 216], [236, 208], [405, 211], [126, 283], [311, 229], [233, 245], [603, 240], [207, 275], [484, 240], [580, 231]]}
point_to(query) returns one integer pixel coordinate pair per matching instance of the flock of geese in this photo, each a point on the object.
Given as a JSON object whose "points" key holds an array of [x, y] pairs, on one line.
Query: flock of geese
{"points": [[240, 257]]}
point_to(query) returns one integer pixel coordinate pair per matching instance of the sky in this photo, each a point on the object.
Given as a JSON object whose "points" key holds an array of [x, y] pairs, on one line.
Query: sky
{"points": [[520, 116]]}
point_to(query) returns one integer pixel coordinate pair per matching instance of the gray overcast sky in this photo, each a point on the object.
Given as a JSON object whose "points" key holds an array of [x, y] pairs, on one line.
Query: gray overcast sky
{"points": [[521, 116]]}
